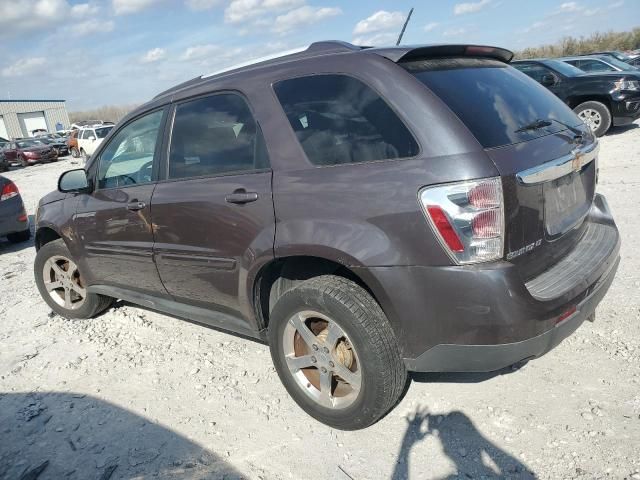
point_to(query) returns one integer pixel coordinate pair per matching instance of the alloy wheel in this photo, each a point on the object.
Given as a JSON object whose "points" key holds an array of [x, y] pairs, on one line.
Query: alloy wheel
{"points": [[63, 282], [322, 359], [591, 117]]}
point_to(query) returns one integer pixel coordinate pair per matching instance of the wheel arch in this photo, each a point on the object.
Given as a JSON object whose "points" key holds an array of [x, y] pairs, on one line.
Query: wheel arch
{"points": [[283, 273], [46, 235], [578, 99]]}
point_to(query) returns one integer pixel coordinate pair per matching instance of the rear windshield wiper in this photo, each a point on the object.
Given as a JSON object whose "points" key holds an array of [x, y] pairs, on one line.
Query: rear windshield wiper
{"points": [[540, 123]]}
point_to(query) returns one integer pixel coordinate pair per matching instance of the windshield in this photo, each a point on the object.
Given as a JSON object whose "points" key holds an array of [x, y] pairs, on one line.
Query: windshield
{"points": [[565, 69], [103, 131], [621, 65], [493, 100], [29, 143]]}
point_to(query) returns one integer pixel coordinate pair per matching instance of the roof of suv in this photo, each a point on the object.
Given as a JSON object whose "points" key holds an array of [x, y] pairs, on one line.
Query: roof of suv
{"points": [[334, 47]]}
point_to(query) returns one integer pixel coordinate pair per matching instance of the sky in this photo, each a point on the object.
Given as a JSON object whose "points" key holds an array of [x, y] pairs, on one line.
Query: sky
{"points": [[114, 52]]}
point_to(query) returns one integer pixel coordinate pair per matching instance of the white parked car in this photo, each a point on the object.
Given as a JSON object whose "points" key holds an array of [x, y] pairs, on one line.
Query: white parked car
{"points": [[90, 138]]}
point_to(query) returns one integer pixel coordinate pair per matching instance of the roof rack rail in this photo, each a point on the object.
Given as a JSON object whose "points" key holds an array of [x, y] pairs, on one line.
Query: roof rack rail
{"points": [[314, 48]]}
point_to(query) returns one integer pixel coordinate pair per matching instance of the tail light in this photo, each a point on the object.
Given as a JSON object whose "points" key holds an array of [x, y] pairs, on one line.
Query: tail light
{"points": [[467, 218], [9, 191]]}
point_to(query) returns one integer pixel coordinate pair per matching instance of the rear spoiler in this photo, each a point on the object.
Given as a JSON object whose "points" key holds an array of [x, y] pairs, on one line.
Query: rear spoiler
{"points": [[425, 52]]}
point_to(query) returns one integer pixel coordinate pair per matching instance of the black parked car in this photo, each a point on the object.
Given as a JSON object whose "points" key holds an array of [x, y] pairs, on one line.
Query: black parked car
{"points": [[599, 99], [623, 57], [4, 161], [367, 212], [601, 63], [58, 144]]}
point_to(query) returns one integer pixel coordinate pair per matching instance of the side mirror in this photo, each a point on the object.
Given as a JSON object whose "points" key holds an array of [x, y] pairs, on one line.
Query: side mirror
{"points": [[548, 80], [74, 181]]}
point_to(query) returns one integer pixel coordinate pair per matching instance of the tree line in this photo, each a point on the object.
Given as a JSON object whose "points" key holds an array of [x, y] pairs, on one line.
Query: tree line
{"points": [[593, 43]]}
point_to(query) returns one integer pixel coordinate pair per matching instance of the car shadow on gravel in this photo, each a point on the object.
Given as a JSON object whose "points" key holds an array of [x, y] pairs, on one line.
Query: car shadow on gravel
{"points": [[51, 435], [622, 129], [473, 455]]}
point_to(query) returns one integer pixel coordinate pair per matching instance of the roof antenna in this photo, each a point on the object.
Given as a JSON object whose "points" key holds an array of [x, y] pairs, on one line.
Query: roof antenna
{"points": [[404, 27]]}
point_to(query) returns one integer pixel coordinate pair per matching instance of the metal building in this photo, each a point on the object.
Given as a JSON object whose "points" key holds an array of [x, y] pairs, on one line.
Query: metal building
{"points": [[19, 118]]}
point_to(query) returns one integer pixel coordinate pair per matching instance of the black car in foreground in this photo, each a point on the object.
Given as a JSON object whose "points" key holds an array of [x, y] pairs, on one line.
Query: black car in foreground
{"points": [[599, 99], [14, 222]]}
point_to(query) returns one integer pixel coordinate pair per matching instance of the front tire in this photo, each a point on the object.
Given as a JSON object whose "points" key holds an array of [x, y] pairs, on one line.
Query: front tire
{"points": [[61, 285], [336, 353], [74, 152], [595, 115], [83, 155]]}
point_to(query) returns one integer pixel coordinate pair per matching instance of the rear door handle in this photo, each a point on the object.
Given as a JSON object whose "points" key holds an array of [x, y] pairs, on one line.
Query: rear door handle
{"points": [[136, 205], [241, 197]]}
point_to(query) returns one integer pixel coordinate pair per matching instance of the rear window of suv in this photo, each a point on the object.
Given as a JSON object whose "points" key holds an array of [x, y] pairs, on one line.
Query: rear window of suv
{"points": [[340, 120], [493, 100]]}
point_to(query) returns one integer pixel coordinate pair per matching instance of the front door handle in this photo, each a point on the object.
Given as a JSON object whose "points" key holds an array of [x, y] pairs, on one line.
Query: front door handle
{"points": [[136, 205], [240, 197]]}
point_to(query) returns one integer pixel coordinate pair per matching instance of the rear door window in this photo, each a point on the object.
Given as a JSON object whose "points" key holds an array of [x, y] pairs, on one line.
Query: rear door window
{"points": [[495, 101], [340, 120], [215, 135]]}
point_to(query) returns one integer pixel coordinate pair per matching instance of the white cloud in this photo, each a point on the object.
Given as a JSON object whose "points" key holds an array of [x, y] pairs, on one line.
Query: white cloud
{"points": [[617, 4], [244, 10], [82, 10], [21, 15], [570, 7], [454, 32], [201, 4], [301, 16], [429, 27], [153, 55], [534, 26], [377, 40], [470, 7], [23, 66], [91, 27], [125, 7], [198, 52], [591, 12], [379, 21]]}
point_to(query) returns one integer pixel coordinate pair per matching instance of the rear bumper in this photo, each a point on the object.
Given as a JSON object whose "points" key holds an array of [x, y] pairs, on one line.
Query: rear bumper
{"points": [[483, 317], [9, 214], [487, 358]]}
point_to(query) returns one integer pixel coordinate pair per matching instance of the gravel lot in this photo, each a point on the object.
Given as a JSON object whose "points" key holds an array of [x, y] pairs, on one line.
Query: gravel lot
{"points": [[137, 394]]}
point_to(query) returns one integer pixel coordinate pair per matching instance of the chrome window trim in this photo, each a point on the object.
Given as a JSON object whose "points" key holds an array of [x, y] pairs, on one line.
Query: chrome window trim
{"points": [[561, 166]]}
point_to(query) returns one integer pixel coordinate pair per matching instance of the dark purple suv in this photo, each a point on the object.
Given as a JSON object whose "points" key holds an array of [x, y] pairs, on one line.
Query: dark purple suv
{"points": [[367, 212]]}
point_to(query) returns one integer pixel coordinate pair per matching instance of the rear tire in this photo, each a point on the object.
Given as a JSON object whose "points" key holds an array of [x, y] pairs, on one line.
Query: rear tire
{"points": [[62, 288], [74, 152], [19, 237], [23, 162], [346, 340], [596, 115]]}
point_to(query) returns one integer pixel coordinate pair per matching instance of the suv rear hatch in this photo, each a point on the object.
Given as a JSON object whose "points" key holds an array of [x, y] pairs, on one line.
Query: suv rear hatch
{"points": [[543, 152]]}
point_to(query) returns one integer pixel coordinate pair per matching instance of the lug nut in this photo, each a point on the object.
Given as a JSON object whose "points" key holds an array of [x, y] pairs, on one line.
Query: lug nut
{"points": [[325, 350], [323, 370], [331, 364], [313, 359], [315, 347]]}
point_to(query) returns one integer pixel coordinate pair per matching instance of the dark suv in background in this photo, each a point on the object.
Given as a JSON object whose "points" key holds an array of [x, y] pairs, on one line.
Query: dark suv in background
{"points": [[599, 99], [367, 212]]}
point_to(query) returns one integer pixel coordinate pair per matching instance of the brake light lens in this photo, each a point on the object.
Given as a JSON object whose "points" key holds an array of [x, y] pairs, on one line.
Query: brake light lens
{"points": [[467, 218], [9, 191]]}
